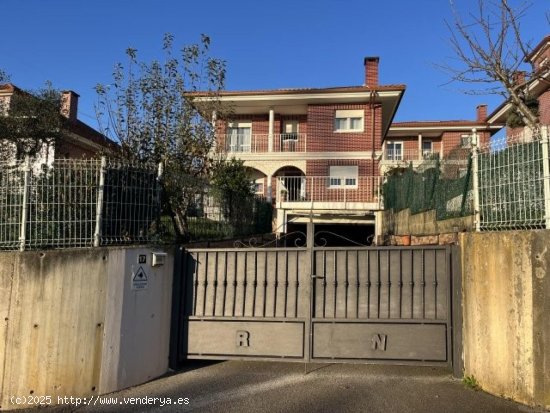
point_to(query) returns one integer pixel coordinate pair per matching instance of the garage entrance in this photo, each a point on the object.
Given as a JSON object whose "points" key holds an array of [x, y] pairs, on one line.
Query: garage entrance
{"points": [[315, 303]]}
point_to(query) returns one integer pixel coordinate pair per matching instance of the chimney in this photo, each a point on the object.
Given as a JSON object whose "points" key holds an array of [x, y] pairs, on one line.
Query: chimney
{"points": [[481, 112], [371, 71], [518, 77], [69, 104]]}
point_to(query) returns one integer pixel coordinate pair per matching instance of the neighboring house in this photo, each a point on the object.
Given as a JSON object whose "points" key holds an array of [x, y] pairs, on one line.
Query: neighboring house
{"points": [[79, 141], [538, 87], [320, 154], [419, 142]]}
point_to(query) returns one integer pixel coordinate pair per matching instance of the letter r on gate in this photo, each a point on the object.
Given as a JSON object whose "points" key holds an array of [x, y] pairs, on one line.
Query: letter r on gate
{"points": [[243, 338]]}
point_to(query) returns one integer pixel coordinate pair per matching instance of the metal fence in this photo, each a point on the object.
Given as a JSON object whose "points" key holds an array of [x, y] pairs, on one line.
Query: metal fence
{"points": [[512, 182], [444, 185], [77, 203]]}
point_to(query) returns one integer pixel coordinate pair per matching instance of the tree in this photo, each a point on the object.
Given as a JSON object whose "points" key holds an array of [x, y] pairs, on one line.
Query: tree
{"points": [[33, 121], [149, 109], [490, 51], [233, 190]]}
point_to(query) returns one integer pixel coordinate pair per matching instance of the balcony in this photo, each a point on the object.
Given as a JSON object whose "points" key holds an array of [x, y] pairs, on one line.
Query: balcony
{"points": [[408, 155], [329, 192], [265, 143]]}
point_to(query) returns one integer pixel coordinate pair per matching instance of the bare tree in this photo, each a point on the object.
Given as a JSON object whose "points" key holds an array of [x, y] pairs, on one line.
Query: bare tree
{"points": [[490, 51]]}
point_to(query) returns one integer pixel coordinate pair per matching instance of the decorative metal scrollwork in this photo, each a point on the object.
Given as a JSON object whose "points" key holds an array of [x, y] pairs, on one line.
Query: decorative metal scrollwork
{"points": [[322, 241], [300, 240]]}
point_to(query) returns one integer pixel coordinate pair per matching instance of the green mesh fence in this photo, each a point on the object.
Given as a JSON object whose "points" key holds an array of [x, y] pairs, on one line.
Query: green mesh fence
{"points": [[445, 186], [511, 187]]}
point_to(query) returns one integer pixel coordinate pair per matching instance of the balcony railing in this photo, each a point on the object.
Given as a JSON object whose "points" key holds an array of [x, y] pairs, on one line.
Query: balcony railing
{"points": [[329, 189], [259, 143], [407, 155]]}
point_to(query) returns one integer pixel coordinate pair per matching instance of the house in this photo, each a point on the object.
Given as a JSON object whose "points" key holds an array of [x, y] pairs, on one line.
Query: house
{"points": [[320, 154], [419, 142], [79, 139], [537, 87]]}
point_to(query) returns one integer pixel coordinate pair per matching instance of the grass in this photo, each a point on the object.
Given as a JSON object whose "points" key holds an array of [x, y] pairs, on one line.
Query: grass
{"points": [[471, 383]]}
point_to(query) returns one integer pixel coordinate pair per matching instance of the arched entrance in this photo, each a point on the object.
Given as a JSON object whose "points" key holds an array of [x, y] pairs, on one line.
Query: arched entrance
{"points": [[291, 183]]}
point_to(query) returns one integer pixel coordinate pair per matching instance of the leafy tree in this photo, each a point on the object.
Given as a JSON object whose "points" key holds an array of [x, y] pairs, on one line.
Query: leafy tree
{"points": [[4, 77], [233, 190], [33, 122], [149, 109], [490, 50]]}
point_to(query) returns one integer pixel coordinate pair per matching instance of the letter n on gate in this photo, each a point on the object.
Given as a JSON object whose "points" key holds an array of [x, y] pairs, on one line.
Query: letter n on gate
{"points": [[243, 338], [379, 342]]}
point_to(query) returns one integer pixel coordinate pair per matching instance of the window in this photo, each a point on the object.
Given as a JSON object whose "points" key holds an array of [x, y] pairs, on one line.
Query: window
{"points": [[348, 121], [343, 176], [239, 136], [394, 151], [427, 149], [258, 187], [290, 129], [465, 141]]}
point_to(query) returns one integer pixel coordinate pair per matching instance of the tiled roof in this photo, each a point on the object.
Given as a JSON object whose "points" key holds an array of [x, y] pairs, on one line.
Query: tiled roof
{"points": [[292, 91], [441, 123], [80, 128]]}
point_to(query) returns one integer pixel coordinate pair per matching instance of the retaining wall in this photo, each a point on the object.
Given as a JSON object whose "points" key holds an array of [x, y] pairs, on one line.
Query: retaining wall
{"points": [[506, 311], [79, 323]]}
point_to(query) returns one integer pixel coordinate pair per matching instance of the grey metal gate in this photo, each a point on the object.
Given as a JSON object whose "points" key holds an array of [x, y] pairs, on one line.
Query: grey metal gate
{"points": [[315, 304]]}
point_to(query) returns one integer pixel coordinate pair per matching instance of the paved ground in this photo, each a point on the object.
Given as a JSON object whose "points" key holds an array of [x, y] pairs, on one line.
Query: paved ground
{"points": [[284, 387]]}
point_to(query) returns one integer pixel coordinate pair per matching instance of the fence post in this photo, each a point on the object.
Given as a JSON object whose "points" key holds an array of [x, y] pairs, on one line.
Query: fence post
{"points": [[546, 175], [25, 202], [99, 206], [475, 178]]}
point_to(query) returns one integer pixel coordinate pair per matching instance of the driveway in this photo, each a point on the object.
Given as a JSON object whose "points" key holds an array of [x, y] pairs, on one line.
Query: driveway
{"points": [[236, 386]]}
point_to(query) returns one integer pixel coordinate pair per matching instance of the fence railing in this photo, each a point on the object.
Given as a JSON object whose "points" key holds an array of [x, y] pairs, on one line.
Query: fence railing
{"points": [[400, 155], [260, 143], [512, 182], [77, 203], [328, 189]]}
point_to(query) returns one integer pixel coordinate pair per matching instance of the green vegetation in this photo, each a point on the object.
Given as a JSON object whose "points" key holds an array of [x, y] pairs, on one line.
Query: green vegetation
{"points": [[471, 383]]}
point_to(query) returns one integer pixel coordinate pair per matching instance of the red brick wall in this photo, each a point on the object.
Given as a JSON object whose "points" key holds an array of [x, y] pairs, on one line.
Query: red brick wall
{"points": [[65, 149], [366, 190], [544, 107], [410, 144], [321, 135]]}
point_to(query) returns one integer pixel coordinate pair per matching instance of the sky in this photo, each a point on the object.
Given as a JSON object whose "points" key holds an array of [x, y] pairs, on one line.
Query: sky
{"points": [[266, 44]]}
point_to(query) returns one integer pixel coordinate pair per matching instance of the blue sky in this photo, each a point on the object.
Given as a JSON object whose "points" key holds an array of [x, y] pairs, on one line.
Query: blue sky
{"points": [[284, 43]]}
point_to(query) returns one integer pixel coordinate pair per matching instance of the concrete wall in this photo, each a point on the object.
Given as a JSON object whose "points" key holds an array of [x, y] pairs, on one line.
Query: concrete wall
{"points": [[71, 323], [506, 310]]}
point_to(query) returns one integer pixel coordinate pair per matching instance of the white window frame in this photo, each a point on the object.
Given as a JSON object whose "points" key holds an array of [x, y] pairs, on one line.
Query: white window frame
{"points": [[347, 115], [401, 150], [243, 125], [340, 174], [428, 152], [466, 141], [293, 134]]}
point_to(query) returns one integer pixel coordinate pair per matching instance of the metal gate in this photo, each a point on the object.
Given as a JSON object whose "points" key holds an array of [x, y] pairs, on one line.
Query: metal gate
{"points": [[314, 304]]}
